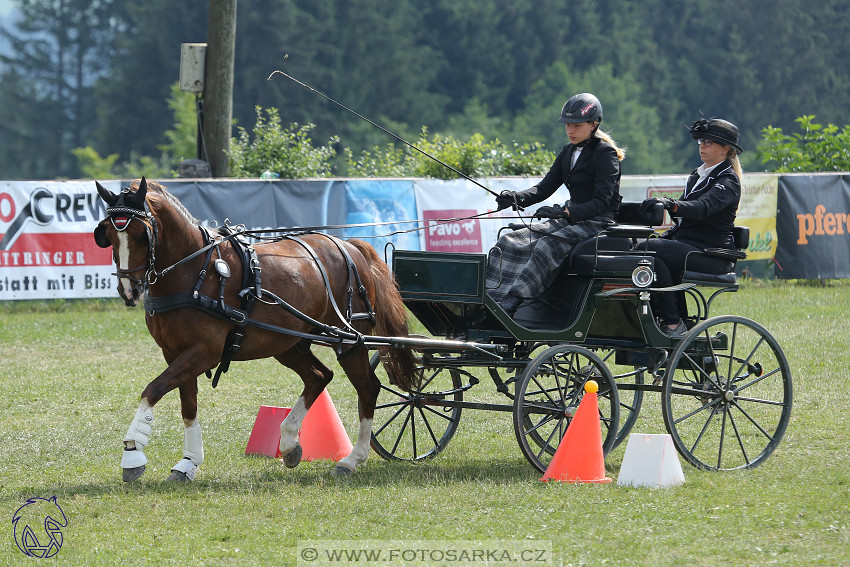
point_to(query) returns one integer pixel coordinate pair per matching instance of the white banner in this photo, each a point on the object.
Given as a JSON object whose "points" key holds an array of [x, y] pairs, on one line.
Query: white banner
{"points": [[438, 201], [46, 246]]}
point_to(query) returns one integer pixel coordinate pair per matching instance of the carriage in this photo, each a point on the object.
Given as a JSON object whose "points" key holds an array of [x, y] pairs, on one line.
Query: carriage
{"points": [[725, 385]]}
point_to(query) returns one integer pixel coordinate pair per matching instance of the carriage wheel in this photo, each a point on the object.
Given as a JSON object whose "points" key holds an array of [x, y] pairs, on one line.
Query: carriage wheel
{"points": [[548, 394], [631, 399], [727, 394], [411, 426]]}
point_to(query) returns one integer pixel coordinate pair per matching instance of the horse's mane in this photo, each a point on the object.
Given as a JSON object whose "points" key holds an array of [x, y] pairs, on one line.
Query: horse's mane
{"points": [[171, 199]]}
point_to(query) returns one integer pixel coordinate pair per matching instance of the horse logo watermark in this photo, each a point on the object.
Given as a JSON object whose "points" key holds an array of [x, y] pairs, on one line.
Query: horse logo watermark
{"points": [[38, 527]]}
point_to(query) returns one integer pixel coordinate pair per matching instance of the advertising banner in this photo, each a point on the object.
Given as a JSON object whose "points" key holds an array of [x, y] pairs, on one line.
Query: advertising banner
{"points": [[813, 227], [47, 250], [388, 209], [448, 207], [46, 246]]}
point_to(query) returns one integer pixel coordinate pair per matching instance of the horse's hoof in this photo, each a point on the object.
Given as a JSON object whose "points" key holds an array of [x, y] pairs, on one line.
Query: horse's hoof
{"points": [[342, 471], [136, 473], [178, 476], [292, 458]]}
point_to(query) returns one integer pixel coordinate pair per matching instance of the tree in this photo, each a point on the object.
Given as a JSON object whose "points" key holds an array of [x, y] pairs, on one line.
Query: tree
{"points": [[58, 51], [132, 109], [632, 124]]}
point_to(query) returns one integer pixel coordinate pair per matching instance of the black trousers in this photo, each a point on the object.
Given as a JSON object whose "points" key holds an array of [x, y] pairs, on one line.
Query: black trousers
{"points": [[669, 267]]}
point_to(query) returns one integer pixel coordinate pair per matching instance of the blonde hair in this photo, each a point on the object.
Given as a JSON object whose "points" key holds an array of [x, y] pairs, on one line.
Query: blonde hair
{"points": [[732, 156], [606, 137]]}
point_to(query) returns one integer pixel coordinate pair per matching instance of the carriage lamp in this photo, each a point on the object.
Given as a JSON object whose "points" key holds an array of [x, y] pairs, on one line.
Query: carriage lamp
{"points": [[643, 276]]}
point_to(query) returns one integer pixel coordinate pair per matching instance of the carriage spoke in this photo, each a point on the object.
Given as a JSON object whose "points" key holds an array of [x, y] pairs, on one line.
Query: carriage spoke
{"points": [[738, 437], [428, 427], [704, 429], [543, 421], [390, 420], [544, 447], [401, 432]]}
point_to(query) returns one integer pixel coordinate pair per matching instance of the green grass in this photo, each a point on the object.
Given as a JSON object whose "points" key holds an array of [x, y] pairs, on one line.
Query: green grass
{"points": [[70, 378]]}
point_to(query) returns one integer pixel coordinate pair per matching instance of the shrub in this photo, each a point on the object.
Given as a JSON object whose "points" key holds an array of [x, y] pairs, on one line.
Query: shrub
{"points": [[475, 158], [288, 152], [817, 148]]}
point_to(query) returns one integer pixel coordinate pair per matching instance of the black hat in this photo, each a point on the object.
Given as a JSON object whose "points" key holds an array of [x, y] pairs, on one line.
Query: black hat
{"points": [[716, 130]]}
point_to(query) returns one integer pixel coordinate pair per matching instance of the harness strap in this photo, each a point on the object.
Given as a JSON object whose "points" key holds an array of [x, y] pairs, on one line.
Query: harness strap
{"points": [[353, 271], [251, 276], [321, 267]]}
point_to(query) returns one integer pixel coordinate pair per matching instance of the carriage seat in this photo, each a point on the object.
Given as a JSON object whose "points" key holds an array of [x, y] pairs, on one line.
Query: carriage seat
{"points": [[613, 250], [741, 235]]}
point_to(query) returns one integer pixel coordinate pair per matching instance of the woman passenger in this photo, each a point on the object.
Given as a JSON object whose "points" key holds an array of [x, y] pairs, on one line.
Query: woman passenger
{"points": [[703, 218]]}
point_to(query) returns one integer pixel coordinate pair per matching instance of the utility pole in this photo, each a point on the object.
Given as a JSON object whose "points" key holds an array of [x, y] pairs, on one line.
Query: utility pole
{"points": [[218, 84]]}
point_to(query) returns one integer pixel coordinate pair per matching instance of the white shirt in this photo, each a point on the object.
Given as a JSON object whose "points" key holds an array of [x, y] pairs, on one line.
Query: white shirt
{"points": [[703, 172], [574, 158]]}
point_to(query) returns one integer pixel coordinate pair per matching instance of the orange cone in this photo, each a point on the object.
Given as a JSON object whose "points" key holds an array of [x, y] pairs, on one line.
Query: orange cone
{"points": [[265, 437], [322, 433], [579, 455]]}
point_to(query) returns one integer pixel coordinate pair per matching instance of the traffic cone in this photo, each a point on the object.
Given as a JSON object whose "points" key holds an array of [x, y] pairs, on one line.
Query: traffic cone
{"points": [[322, 434], [578, 457], [650, 460], [265, 436]]}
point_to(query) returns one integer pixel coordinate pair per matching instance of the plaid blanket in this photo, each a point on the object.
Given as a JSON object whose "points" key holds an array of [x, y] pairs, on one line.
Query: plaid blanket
{"points": [[523, 262]]}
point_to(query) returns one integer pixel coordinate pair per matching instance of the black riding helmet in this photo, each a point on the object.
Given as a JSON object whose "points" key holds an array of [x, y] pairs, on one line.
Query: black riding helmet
{"points": [[583, 107]]}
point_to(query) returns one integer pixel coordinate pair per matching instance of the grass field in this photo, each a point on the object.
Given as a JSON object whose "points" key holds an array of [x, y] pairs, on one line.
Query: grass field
{"points": [[70, 378]]}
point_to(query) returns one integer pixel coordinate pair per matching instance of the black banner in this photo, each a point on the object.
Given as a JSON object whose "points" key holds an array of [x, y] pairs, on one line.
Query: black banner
{"points": [[813, 227]]}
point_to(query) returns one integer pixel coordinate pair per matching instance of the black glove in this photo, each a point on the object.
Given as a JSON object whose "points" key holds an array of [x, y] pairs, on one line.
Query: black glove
{"points": [[506, 199], [547, 212], [649, 204], [669, 204]]}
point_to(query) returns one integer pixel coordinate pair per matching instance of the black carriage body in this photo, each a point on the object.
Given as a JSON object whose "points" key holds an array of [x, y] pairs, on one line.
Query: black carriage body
{"points": [[592, 302]]}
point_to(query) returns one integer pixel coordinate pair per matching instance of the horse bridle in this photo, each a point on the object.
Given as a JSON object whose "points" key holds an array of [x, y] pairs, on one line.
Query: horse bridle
{"points": [[121, 217]]}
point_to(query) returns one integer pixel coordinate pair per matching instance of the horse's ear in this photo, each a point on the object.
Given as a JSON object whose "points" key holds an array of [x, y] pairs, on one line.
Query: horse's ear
{"points": [[141, 192], [108, 196], [137, 199]]}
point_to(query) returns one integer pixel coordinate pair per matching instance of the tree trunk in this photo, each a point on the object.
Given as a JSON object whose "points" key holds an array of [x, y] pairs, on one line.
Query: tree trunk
{"points": [[218, 84]]}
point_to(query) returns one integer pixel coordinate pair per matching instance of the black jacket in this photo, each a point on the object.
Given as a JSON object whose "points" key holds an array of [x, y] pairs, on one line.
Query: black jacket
{"points": [[706, 212], [594, 182]]}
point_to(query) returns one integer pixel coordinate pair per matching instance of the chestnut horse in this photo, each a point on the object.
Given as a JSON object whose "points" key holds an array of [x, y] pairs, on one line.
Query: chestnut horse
{"points": [[162, 251]]}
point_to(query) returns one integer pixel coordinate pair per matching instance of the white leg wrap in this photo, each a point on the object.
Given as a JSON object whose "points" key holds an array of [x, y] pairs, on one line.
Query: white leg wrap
{"points": [[290, 426], [361, 450], [187, 467], [139, 431], [133, 459], [193, 444]]}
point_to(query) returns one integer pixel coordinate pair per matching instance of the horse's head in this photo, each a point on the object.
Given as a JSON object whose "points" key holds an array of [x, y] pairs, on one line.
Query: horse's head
{"points": [[131, 230]]}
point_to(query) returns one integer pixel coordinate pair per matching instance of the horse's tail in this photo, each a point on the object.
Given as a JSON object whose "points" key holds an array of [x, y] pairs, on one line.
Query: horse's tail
{"points": [[391, 320]]}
